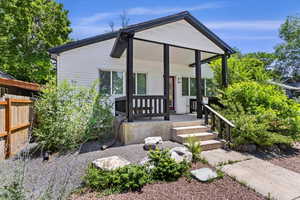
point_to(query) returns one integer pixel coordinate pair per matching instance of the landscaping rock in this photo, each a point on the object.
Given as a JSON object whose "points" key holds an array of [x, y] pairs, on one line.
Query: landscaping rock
{"points": [[204, 174], [151, 142], [283, 147], [180, 154], [144, 161], [250, 148], [110, 163]]}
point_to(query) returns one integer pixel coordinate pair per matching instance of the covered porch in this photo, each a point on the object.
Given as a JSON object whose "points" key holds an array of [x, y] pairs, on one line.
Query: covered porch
{"points": [[175, 39]]}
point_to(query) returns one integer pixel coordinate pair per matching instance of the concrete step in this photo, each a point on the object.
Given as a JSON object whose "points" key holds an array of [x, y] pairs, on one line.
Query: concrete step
{"points": [[210, 144], [199, 136], [189, 130], [187, 123]]}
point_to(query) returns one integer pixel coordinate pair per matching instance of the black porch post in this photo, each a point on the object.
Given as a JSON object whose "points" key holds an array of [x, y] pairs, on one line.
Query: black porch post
{"points": [[198, 83], [166, 81], [129, 79], [224, 71]]}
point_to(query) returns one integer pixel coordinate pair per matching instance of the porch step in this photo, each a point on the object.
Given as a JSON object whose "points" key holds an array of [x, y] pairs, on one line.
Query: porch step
{"points": [[189, 130], [187, 123], [210, 144], [199, 136]]}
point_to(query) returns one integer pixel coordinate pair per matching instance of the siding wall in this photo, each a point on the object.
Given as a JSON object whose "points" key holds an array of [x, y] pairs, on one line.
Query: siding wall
{"points": [[81, 65]]}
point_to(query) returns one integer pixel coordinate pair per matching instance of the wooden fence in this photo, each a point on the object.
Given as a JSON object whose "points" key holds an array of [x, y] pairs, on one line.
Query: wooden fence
{"points": [[15, 121]]}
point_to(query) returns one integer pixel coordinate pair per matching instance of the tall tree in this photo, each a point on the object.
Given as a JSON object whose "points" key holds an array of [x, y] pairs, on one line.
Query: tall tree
{"points": [[288, 52], [28, 28]]}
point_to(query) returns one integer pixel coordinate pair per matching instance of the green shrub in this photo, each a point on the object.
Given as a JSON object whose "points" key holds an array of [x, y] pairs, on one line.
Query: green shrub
{"points": [[262, 113], [165, 168], [128, 178], [194, 147], [69, 115]]}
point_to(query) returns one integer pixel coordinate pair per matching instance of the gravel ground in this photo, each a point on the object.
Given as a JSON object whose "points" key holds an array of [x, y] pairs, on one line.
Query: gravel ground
{"points": [[291, 160], [65, 169], [184, 189]]}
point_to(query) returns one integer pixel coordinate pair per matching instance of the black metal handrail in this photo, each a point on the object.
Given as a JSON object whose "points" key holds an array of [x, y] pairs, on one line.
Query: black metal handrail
{"points": [[218, 122]]}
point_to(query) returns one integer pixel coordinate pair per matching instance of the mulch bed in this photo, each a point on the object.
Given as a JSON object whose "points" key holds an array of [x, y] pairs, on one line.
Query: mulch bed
{"points": [[290, 161], [183, 189]]}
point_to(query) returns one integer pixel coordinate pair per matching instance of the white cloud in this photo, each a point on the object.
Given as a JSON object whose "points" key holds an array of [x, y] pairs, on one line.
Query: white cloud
{"points": [[97, 17], [254, 37], [165, 10], [245, 25], [80, 31]]}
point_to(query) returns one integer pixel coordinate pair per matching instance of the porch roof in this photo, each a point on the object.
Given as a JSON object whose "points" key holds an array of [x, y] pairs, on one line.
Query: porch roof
{"points": [[181, 30]]}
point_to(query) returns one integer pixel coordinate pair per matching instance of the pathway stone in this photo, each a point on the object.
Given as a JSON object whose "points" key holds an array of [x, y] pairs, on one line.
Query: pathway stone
{"points": [[110, 163], [204, 174], [181, 153], [220, 156], [266, 178]]}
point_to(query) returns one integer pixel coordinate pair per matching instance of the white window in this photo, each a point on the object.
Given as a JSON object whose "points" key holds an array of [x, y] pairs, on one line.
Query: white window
{"points": [[189, 86], [111, 82]]}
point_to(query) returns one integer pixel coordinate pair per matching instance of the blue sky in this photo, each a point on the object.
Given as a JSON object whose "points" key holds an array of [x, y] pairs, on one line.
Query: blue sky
{"points": [[249, 25]]}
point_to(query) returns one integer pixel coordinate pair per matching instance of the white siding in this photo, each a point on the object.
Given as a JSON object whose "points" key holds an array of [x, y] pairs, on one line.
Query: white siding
{"points": [[81, 65], [180, 33]]}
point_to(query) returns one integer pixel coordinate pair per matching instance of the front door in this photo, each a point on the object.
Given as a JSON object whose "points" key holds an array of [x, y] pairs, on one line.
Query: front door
{"points": [[172, 92]]}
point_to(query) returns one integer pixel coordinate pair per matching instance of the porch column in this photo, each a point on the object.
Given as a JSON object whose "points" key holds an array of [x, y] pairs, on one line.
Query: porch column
{"points": [[224, 71], [166, 81], [198, 83], [129, 79]]}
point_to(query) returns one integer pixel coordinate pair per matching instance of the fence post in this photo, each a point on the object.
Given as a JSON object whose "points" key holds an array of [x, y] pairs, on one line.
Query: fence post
{"points": [[8, 126]]}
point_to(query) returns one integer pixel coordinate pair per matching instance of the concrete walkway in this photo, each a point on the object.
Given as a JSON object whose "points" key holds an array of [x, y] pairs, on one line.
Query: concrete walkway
{"points": [[262, 176]]}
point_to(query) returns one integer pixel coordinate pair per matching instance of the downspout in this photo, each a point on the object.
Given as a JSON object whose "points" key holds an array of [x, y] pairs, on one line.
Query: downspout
{"points": [[114, 140]]}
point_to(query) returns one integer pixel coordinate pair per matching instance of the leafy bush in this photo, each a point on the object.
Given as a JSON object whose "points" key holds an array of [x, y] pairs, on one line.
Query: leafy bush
{"points": [[128, 178], [165, 168], [69, 115], [241, 69], [195, 148], [133, 177], [262, 113]]}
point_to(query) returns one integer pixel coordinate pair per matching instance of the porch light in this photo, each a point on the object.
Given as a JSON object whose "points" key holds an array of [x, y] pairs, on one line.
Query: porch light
{"points": [[179, 80], [205, 100]]}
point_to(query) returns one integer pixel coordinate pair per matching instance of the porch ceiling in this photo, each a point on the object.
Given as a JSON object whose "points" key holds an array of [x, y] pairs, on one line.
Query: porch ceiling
{"points": [[154, 52]]}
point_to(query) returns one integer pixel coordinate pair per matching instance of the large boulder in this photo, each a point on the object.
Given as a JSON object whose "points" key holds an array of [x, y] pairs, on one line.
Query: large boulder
{"points": [[110, 163], [180, 154], [250, 148], [204, 174], [151, 142]]}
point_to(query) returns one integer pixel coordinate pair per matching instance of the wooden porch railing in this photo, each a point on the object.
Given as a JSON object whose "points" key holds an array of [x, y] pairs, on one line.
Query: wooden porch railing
{"points": [[219, 123], [143, 106]]}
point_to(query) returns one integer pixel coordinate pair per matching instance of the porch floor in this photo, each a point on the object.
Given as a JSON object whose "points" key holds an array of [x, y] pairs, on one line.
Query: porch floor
{"points": [[173, 118]]}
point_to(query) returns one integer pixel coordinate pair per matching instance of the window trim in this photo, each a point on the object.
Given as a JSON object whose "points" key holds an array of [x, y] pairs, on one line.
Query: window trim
{"points": [[111, 80]]}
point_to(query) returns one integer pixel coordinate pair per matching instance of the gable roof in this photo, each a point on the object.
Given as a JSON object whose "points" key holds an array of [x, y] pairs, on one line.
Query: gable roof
{"points": [[120, 46]]}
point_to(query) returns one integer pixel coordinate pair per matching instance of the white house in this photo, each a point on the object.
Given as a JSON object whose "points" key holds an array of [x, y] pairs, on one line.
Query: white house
{"points": [[150, 69], [86, 60]]}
